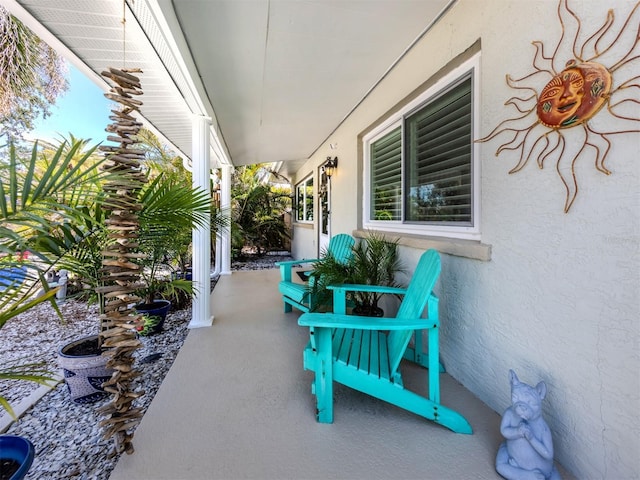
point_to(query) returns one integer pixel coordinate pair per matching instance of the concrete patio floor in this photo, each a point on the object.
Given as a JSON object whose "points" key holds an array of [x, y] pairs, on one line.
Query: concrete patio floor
{"points": [[237, 404]]}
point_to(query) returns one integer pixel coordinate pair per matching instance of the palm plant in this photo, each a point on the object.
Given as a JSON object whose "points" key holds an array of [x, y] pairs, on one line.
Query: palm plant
{"points": [[43, 210], [170, 210], [45, 205], [375, 261]]}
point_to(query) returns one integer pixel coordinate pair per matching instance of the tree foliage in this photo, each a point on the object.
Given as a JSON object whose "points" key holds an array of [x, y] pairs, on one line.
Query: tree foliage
{"points": [[32, 76], [257, 210], [161, 160]]}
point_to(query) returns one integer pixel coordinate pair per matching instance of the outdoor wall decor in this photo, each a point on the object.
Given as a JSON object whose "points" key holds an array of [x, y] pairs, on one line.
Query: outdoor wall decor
{"points": [[527, 451], [586, 72], [119, 270]]}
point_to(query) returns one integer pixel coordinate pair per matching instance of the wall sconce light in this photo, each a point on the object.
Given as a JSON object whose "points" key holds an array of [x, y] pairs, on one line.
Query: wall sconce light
{"points": [[330, 166]]}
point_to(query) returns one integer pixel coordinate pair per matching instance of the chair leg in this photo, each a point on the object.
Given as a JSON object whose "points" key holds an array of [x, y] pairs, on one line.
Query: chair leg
{"points": [[417, 404], [416, 354], [287, 307], [434, 364], [324, 376]]}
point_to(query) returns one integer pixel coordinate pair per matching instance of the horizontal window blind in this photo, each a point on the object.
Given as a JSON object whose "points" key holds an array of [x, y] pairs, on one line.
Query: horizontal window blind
{"points": [[438, 147], [386, 177]]}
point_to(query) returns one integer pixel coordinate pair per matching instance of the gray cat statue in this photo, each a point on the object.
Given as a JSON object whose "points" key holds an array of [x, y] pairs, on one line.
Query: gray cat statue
{"points": [[527, 452]]}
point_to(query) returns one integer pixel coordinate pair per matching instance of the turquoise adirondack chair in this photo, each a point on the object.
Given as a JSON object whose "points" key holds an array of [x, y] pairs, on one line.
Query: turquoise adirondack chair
{"points": [[364, 353], [299, 295]]}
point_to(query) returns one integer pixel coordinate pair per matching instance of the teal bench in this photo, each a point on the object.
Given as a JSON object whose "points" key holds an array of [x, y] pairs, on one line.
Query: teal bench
{"points": [[365, 353], [299, 294]]}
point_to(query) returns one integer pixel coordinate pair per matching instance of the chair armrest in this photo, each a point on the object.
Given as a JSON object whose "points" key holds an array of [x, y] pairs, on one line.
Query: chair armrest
{"points": [[286, 267], [353, 287], [333, 320], [291, 263]]}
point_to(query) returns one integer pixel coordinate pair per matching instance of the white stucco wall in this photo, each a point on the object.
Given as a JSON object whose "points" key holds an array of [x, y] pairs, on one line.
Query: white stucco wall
{"points": [[304, 242], [559, 300]]}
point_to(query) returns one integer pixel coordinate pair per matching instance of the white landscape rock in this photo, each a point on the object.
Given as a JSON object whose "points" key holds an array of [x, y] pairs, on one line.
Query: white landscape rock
{"points": [[67, 438]]}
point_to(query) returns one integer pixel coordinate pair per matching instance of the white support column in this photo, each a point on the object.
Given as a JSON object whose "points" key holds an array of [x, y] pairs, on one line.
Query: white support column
{"points": [[216, 262], [201, 263], [225, 204]]}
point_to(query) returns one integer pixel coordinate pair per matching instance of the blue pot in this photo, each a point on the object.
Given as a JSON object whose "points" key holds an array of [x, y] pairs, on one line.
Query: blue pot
{"points": [[15, 449], [156, 313], [186, 275]]}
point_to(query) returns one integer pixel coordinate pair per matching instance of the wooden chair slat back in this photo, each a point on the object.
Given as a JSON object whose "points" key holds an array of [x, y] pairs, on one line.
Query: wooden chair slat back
{"points": [[341, 247], [413, 304]]}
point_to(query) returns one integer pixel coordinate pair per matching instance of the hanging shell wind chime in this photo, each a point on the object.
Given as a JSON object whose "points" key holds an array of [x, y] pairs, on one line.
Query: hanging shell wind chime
{"points": [[120, 273]]}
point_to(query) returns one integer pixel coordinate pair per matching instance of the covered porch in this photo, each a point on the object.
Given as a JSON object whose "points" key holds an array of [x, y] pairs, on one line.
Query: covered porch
{"points": [[237, 404]]}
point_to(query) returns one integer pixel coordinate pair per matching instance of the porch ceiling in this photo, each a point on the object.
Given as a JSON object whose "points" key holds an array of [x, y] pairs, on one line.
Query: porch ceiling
{"points": [[276, 76]]}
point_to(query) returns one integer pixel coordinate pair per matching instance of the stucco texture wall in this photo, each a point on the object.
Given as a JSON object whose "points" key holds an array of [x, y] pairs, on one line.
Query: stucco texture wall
{"points": [[559, 300]]}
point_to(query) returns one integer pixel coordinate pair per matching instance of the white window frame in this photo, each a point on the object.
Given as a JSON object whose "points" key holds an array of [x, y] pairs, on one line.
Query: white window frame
{"points": [[397, 119], [305, 203]]}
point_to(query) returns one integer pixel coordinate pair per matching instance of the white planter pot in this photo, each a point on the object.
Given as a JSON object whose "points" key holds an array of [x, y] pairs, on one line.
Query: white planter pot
{"points": [[84, 374]]}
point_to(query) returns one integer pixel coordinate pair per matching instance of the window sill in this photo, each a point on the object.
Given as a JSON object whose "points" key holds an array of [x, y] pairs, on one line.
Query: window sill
{"points": [[452, 246]]}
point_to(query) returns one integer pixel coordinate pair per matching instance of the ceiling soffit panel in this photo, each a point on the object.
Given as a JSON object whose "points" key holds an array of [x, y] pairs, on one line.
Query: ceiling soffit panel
{"points": [[281, 75], [226, 40], [147, 13]]}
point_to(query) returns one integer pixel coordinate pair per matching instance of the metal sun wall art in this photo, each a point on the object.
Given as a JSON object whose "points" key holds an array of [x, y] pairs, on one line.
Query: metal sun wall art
{"points": [[554, 125]]}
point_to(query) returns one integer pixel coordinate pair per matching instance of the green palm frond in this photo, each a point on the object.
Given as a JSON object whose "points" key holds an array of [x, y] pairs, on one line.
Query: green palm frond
{"points": [[169, 203], [43, 209], [31, 372], [36, 194], [13, 302]]}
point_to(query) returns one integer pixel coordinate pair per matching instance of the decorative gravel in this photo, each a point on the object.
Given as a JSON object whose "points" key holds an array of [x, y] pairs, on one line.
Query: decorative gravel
{"points": [[67, 438], [260, 263]]}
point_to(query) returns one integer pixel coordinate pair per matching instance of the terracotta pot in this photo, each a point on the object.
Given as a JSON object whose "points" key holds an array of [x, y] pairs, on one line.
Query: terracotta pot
{"points": [[85, 369]]}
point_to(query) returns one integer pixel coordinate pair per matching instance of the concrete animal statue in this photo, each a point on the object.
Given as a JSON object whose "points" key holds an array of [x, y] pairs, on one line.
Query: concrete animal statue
{"points": [[527, 452]]}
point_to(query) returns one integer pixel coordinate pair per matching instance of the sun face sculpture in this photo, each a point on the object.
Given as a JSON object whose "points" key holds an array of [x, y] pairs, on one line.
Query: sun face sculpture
{"points": [[585, 79]]}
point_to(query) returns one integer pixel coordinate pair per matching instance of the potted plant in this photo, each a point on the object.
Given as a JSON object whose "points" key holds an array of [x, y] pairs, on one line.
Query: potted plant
{"points": [[169, 213], [168, 206], [155, 305], [375, 261], [82, 360]]}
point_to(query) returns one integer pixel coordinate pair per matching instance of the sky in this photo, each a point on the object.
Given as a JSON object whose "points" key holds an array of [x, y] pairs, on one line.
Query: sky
{"points": [[82, 111]]}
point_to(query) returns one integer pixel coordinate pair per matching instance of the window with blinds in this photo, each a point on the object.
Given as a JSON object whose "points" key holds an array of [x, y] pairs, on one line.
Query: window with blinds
{"points": [[438, 146], [421, 169], [386, 177]]}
